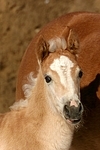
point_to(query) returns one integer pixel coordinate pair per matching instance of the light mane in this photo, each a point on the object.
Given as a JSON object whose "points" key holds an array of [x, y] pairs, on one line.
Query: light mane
{"points": [[57, 43], [27, 89]]}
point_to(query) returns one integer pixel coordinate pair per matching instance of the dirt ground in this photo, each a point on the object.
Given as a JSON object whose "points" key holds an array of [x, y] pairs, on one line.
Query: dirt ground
{"points": [[19, 22]]}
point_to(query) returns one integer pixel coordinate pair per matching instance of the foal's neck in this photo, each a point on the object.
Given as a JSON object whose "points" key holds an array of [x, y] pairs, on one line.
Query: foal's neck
{"points": [[38, 101], [52, 129]]}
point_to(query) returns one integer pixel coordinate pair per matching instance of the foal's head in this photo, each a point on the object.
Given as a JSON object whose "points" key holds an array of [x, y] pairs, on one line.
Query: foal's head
{"points": [[57, 59]]}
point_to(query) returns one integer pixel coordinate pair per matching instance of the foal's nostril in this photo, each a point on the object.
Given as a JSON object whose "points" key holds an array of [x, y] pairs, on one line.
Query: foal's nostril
{"points": [[67, 110], [80, 107]]}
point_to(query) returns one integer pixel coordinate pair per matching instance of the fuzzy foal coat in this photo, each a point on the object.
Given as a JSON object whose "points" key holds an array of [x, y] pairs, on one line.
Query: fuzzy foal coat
{"points": [[40, 125], [35, 127]]}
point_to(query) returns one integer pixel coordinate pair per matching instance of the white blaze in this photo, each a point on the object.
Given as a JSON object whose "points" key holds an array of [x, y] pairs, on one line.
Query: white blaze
{"points": [[63, 66]]}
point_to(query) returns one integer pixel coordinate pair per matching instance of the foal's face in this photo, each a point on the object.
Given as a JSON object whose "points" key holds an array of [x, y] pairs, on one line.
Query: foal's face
{"points": [[62, 76]]}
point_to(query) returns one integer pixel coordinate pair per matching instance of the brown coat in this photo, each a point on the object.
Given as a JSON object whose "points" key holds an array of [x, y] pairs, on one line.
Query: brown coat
{"points": [[87, 27]]}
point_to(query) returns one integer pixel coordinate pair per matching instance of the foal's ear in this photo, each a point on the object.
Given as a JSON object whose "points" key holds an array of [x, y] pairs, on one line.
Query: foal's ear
{"points": [[71, 39], [42, 49]]}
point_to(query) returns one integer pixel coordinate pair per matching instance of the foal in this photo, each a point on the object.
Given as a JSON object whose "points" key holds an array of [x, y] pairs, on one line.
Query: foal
{"points": [[53, 104]]}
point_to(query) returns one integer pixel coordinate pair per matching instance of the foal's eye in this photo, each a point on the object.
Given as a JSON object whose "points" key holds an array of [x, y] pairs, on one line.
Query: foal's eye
{"points": [[80, 74], [48, 78]]}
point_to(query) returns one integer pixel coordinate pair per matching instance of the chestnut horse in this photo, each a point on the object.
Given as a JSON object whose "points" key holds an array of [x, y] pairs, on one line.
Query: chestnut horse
{"points": [[52, 106], [87, 26]]}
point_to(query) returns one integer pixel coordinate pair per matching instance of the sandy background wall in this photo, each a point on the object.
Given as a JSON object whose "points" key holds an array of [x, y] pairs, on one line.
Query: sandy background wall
{"points": [[19, 22]]}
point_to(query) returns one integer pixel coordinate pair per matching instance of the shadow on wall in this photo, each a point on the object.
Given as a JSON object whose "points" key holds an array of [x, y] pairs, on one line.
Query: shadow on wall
{"points": [[89, 93]]}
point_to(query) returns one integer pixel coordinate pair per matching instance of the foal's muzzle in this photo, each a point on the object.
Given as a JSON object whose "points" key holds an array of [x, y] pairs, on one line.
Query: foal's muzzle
{"points": [[73, 113]]}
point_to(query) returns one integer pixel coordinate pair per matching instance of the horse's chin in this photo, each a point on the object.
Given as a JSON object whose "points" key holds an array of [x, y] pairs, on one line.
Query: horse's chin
{"points": [[74, 122]]}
